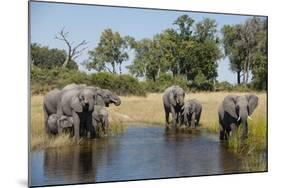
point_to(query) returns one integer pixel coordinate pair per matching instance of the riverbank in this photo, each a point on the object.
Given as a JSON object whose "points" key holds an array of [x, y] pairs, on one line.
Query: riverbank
{"points": [[149, 110]]}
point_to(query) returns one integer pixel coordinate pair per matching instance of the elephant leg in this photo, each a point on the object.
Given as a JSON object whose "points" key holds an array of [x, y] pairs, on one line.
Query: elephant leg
{"points": [[89, 127], [94, 124], [46, 116], [59, 130], [174, 118], [167, 117], [76, 122], [222, 133]]}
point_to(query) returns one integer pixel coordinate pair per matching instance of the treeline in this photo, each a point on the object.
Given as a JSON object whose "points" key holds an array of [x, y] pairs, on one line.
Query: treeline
{"points": [[186, 54]]}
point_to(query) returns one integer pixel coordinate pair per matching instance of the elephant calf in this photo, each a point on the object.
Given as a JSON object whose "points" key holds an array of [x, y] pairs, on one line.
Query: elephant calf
{"points": [[191, 112], [236, 110], [100, 117], [57, 123]]}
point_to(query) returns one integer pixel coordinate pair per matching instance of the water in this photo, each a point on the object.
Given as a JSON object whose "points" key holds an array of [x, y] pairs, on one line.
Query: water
{"points": [[139, 153]]}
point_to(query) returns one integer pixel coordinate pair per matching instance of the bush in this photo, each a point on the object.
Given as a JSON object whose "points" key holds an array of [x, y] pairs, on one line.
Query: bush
{"points": [[224, 86], [120, 84], [44, 80], [164, 81]]}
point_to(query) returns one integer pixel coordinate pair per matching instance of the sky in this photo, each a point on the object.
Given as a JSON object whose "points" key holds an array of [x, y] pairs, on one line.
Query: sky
{"points": [[85, 22]]}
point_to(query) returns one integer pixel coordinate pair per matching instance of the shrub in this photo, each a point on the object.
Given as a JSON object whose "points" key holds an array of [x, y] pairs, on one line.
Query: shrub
{"points": [[120, 84], [224, 86], [164, 81]]}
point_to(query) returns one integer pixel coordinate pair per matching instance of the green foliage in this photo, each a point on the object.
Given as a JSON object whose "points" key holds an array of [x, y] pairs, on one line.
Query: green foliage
{"points": [[111, 51], [164, 81], [43, 57], [120, 84], [184, 51], [224, 86], [246, 46], [201, 83], [43, 80]]}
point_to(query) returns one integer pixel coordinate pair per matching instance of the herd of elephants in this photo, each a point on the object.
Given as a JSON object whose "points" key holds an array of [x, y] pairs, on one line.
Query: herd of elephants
{"points": [[82, 109]]}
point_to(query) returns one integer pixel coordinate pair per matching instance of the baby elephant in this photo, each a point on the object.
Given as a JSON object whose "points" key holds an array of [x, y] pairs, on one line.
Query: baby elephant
{"points": [[191, 112], [100, 117], [57, 123]]}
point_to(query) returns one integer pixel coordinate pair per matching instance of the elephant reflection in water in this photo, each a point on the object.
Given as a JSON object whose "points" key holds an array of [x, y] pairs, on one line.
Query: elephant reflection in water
{"points": [[68, 164], [78, 163]]}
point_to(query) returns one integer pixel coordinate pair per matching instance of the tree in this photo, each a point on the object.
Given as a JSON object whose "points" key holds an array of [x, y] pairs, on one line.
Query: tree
{"points": [[233, 49], [245, 45], [148, 60], [73, 51], [185, 51], [111, 50], [43, 57]]}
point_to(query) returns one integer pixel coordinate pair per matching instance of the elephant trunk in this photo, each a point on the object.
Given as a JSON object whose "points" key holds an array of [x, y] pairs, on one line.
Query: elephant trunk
{"points": [[243, 118], [116, 100], [193, 120]]}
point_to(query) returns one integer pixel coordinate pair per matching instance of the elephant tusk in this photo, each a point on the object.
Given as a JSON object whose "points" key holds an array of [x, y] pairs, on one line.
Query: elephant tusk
{"points": [[114, 101], [238, 118], [250, 118]]}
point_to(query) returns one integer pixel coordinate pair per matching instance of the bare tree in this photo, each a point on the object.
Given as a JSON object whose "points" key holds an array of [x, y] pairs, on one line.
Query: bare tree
{"points": [[73, 50]]}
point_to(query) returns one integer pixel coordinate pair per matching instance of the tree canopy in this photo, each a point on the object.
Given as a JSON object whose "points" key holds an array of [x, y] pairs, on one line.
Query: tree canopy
{"points": [[246, 46], [110, 53], [44, 57]]}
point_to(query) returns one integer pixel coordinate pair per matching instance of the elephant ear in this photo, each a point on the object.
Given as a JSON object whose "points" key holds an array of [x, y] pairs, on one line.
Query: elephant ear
{"points": [[253, 102], [76, 104], [229, 105], [172, 98]]}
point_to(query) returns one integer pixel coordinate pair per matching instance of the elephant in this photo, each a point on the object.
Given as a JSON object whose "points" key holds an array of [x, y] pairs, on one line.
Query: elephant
{"points": [[57, 123], [74, 86], [173, 100], [191, 112], [50, 102], [106, 97], [100, 117], [75, 102], [235, 110]]}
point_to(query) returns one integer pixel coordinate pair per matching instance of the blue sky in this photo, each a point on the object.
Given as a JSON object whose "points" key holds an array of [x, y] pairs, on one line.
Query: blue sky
{"points": [[84, 22]]}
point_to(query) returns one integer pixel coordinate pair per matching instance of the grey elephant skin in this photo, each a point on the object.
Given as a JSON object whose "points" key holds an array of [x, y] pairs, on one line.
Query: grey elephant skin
{"points": [[235, 111], [102, 97], [191, 113], [173, 100], [100, 118], [106, 97], [57, 123], [76, 102]]}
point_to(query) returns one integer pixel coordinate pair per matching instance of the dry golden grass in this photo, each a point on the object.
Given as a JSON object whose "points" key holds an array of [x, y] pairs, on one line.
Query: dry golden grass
{"points": [[148, 110]]}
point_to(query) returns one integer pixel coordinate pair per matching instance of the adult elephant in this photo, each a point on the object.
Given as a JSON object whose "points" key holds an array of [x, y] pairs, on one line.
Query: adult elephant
{"points": [[235, 110], [104, 96], [173, 100], [75, 102]]}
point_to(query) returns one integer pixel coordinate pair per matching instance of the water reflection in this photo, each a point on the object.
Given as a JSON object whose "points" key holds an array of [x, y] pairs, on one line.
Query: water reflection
{"points": [[140, 153]]}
